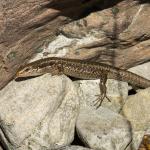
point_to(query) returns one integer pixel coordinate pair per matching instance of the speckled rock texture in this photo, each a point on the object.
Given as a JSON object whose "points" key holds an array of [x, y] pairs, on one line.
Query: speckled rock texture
{"points": [[115, 32], [137, 110], [103, 129], [75, 148], [1, 148], [142, 70], [117, 92], [40, 112]]}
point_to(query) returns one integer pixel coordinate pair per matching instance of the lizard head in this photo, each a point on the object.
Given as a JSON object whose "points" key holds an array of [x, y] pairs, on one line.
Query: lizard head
{"points": [[29, 70], [37, 68]]}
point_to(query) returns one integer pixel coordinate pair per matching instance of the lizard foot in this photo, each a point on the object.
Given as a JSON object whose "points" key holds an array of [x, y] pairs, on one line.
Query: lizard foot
{"points": [[99, 100]]}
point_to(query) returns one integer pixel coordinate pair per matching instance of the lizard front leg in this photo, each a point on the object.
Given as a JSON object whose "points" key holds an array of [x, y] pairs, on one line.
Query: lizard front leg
{"points": [[103, 90]]}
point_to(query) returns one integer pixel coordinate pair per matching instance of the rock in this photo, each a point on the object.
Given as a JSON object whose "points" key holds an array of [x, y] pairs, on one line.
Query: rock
{"points": [[57, 48], [74, 148], [142, 70], [113, 32], [3, 140], [112, 35], [116, 91], [40, 112], [103, 129], [139, 15], [1, 148], [136, 110]]}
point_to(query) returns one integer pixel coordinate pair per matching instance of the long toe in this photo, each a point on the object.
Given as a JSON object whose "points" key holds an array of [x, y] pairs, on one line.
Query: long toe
{"points": [[108, 98]]}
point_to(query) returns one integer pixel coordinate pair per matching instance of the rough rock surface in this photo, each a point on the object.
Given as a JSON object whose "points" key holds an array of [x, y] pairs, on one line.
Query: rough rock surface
{"points": [[115, 32], [118, 35], [103, 129], [142, 70], [136, 110], [27, 26], [1, 148], [116, 91], [74, 148], [38, 113]]}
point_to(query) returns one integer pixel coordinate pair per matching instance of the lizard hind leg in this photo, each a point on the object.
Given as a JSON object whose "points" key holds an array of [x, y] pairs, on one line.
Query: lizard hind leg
{"points": [[99, 100], [103, 89]]}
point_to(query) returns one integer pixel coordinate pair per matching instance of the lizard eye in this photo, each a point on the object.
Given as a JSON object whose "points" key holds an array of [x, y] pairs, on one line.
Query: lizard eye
{"points": [[27, 69]]}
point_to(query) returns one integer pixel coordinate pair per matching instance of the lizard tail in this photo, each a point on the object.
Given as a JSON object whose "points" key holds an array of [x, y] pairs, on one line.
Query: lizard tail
{"points": [[134, 79]]}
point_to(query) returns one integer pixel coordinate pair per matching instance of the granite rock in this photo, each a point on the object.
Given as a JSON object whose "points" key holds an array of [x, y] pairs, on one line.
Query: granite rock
{"points": [[40, 112], [136, 110], [73, 147], [103, 129], [142, 70], [116, 91]]}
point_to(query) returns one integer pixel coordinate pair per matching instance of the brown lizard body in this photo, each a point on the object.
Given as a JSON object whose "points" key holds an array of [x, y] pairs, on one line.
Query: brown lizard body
{"points": [[84, 70]]}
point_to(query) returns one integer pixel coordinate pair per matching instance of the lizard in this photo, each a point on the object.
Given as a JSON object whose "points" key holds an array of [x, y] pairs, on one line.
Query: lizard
{"points": [[82, 69]]}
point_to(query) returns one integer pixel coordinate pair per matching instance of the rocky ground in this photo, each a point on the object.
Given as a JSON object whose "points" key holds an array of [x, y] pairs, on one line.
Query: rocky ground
{"points": [[54, 112], [43, 112]]}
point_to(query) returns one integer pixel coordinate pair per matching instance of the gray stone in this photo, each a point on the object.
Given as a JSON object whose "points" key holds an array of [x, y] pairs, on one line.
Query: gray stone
{"points": [[39, 113], [136, 110], [142, 70], [72, 147], [1, 148], [57, 48], [103, 129], [116, 91]]}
